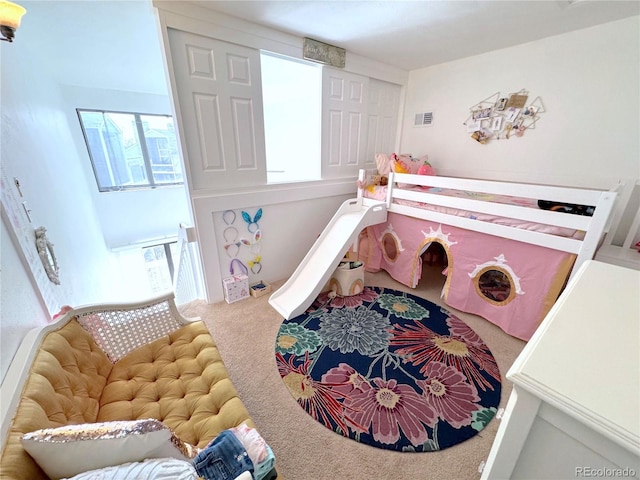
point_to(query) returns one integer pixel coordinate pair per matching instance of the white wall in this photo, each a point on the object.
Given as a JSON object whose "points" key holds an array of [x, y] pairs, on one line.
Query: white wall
{"points": [[20, 306], [293, 217], [588, 82], [38, 150]]}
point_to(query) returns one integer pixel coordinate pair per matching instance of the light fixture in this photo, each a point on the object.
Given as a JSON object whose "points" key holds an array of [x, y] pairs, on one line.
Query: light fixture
{"points": [[10, 15]]}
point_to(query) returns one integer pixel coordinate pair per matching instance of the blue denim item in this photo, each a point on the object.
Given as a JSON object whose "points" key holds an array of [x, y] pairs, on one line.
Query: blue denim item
{"points": [[224, 458]]}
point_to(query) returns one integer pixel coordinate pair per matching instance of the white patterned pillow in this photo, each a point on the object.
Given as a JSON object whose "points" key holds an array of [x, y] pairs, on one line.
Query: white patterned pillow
{"points": [[151, 469], [67, 451]]}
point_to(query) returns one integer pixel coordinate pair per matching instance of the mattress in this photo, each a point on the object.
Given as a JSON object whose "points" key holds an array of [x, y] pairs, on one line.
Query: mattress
{"points": [[379, 192]]}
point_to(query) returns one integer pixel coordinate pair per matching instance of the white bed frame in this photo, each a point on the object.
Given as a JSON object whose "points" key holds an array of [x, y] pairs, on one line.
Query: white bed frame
{"points": [[594, 227], [618, 246]]}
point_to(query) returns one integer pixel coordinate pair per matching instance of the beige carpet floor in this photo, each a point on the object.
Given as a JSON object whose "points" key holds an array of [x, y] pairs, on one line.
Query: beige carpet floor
{"points": [[305, 450]]}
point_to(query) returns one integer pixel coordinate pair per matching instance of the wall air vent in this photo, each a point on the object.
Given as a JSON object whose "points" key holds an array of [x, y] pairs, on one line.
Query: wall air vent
{"points": [[423, 119]]}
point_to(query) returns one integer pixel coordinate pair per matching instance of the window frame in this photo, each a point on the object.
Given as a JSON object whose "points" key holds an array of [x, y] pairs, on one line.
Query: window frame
{"points": [[151, 183], [320, 99], [168, 257]]}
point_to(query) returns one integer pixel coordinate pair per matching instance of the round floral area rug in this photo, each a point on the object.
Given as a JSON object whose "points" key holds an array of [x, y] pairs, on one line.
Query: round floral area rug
{"points": [[389, 369]]}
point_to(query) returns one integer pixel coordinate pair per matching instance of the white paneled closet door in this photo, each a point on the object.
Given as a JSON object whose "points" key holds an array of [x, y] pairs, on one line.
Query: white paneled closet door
{"points": [[382, 119], [220, 104], [343, 122]]}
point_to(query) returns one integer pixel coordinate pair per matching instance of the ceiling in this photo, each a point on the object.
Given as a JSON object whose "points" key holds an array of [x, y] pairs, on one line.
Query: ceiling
{"points": [[420, 33], [114, 44]]}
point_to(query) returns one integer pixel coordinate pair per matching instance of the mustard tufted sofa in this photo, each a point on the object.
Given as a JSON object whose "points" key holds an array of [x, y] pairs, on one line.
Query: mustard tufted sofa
{"points": [[117, 362]]}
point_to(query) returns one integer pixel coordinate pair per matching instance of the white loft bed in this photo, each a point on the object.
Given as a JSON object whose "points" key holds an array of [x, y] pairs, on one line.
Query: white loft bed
{"points": [[420, 198]]}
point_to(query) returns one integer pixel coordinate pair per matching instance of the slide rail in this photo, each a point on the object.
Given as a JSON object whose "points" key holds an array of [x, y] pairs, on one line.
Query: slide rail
{"points": [[318, 265]]}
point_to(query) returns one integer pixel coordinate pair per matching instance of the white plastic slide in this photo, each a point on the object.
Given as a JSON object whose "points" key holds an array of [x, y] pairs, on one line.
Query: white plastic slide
{"points": [[316, 268]]}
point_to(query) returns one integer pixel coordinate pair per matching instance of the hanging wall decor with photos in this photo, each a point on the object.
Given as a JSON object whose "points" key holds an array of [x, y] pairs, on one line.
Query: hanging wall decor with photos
{"points": [[501, 117]]}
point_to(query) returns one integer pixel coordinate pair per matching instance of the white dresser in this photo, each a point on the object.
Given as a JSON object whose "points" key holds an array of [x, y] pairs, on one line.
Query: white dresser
{"points": [[574, 411]]}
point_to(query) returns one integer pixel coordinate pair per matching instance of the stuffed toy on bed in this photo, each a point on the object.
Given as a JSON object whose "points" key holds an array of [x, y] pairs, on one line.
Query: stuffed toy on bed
{"points": [[383, 166], [426, 168], [398, 163], [370, 184], [405, 163]]}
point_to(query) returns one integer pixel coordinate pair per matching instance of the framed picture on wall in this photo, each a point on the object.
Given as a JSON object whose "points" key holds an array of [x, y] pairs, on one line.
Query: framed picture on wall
{"points": [[481, 113], [474, 125], [517, 100], [496, 124], [482, 135], [512, 114], [501, 104]]}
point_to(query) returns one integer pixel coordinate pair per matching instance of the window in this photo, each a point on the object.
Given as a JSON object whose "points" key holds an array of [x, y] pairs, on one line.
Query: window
{"points": [[292, 103], [495, 285], [131, 150], [158, 260]]}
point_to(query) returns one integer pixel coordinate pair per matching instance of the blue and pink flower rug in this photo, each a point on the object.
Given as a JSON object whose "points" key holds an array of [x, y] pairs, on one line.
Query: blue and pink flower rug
{"points": [[389, 369]]}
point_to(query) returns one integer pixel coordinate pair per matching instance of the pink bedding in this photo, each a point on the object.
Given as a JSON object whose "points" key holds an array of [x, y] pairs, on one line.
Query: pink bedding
{"points": [[379, 192]]}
